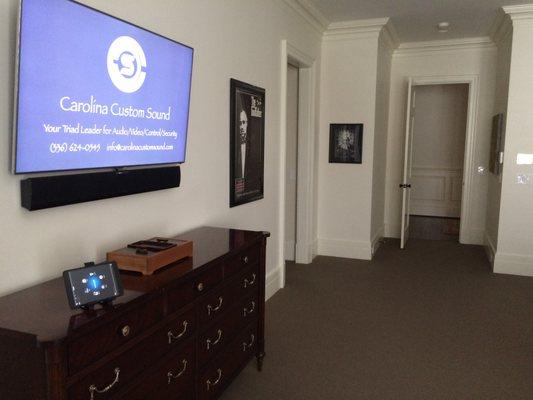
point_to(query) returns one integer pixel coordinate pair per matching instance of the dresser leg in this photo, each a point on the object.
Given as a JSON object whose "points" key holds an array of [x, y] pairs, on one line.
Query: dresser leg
{"points": [[260, 358]]}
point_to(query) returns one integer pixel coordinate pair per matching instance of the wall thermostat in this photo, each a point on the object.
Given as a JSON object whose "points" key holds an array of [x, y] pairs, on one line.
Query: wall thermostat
{"points": [[92, 284]]}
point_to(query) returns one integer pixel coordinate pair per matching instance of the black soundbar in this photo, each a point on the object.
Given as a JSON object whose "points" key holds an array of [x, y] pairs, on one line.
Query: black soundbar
{"points": [[53, 191]]}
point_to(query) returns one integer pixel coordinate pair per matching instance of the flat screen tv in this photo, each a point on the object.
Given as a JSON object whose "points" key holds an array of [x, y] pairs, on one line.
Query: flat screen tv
{"points": [[94, 91]]}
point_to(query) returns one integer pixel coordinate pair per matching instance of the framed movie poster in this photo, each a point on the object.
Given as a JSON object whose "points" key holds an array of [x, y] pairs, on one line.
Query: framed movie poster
{"points": [[346, 143], [247, 139]]}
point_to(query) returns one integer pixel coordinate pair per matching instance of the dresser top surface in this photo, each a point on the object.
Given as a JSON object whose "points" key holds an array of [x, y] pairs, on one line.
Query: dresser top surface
{"points": [[43, 310]]}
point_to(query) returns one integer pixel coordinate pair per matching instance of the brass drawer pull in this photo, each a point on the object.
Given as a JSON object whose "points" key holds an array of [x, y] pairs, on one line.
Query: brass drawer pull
{"points": [[245, 259], [172, 337], [171, 376], [247, 311], [210, 342], [211, 309], [93, 389], [246, 346], [200, 287], [126, 330], [209, 384], [249, 283]]}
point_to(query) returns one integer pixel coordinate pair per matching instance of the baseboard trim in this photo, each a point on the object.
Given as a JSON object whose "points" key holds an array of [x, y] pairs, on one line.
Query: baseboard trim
{"points": [[314, 249], [392, 230], [290, 251], [345, 248], [513, 264], [473, 236], [490, 248], [376, 239], [273, 283]]}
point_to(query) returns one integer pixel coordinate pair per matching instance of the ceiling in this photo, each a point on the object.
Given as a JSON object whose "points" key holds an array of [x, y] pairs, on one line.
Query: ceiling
{"points": [[416, 20]]}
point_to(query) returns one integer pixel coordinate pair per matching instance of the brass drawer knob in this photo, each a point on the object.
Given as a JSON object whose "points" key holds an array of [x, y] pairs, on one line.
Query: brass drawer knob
{"points": [[200, 287], [126, 330]]}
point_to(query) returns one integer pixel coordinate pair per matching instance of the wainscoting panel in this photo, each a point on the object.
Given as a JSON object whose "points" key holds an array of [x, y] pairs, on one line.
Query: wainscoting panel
{"points": [[436, 191]]}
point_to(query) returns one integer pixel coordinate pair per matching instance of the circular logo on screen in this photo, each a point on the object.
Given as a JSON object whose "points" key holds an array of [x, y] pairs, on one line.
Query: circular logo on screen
{"points": [[126, 64]]}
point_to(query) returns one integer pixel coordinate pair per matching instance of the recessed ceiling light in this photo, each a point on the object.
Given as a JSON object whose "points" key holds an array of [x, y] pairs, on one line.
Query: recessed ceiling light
{"points": [[443, 27]]}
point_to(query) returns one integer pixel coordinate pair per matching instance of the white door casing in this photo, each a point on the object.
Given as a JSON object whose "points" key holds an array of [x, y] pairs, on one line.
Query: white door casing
{"points": [[306, 150], [405, 185], [467, 231]]}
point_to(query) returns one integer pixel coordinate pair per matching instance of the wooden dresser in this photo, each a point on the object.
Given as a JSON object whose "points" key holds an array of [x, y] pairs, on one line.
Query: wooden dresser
{"points": [[183, 333]]}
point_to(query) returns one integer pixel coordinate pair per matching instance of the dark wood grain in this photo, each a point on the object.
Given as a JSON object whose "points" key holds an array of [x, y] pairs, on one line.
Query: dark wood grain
{"points": [[50, 352]]}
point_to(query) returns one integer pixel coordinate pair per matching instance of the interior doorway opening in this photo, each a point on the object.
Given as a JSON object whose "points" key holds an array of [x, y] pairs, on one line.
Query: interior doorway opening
{"points": [[438, 154], [291, 162], [305, 182]]}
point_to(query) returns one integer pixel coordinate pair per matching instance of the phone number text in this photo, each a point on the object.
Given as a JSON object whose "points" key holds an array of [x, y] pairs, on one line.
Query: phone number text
{"points": [[74, 147]]}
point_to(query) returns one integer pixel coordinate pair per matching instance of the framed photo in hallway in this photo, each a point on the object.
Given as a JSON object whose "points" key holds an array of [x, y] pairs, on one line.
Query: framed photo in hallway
{"points": [[247, 140], [346, 143]]}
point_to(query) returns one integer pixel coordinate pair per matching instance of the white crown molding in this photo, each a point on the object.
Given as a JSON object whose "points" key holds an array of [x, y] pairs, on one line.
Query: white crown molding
{"points": [[308, 11], [392, 33], [390, 37], [519, 12], [345, 30], [501, 28], [414, 48]]}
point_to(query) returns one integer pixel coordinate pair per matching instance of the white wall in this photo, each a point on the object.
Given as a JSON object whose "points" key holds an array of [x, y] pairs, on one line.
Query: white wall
{"points": [[380, 139], [438, 149], [239, 39], [500, 106], [514, 249], [348, 95], [440, 60]]}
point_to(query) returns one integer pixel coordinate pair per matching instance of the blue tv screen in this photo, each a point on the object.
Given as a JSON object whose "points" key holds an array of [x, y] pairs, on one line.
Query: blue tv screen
{"points": [[94, 91]]}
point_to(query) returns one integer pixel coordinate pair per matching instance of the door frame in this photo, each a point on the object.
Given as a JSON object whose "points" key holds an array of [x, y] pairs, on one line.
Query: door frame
{"points": [[466, 229], [305, 185]]}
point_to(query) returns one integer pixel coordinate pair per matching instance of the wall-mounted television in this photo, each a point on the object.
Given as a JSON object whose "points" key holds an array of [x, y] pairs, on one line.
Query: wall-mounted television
{"points": [[94, 91]]}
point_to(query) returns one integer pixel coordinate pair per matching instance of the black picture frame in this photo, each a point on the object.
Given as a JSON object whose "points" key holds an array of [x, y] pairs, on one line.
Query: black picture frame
{"points": [[346, 143], [247, 143]]}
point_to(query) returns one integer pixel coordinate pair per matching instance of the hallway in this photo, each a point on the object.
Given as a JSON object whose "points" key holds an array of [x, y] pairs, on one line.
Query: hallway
{"points": [[428, 322]]}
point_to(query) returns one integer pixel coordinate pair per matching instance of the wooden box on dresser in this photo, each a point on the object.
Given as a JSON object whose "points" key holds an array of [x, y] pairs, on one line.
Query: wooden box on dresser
{"points": [[183, 333]]}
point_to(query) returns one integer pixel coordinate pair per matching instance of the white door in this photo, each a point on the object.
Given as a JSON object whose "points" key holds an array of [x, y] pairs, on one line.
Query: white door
{"points": [[405, 185]]}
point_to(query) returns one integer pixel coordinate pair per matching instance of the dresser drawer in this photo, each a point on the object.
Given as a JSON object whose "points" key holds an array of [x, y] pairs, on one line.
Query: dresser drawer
{"points": [[172, 379], [135, 360], [182, 294], [216, 338], [214, 304], [238, 262], [218, 373], [89, 348]]}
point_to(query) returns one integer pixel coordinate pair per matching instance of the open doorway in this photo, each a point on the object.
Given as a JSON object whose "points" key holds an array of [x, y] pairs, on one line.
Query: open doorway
{"points": [[291, 162], [438, 149], [449, 104], [302, 176]]}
